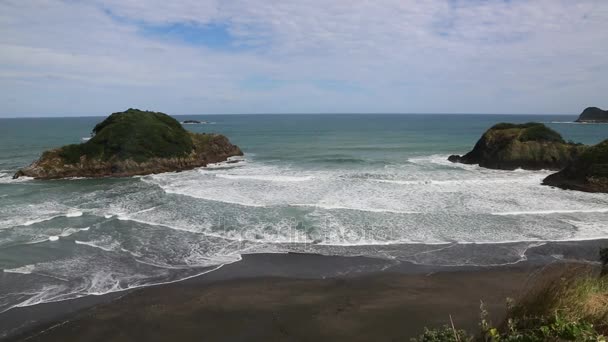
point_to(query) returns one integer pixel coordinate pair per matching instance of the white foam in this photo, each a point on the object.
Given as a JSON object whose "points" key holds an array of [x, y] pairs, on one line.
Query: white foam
{"points": [[231, 162], [445, 182], [38, 220], [9, 179], [100, 284], [27, 269], [97, 244], [550, 212], [53, 238], [578, 123], [126, 217], [269, 178], [71, 213], [74, 214], [337, 207], [143, 211], [190, 193], [438, 159]]}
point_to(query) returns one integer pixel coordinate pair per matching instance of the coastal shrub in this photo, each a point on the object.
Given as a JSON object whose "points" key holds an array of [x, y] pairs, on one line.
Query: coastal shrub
{"points": [[573, 306], [529, 329], [540, 132], [597, 154], [582, 298], [134, 134], [543, 329], [72, 153], [445, 334], [531, 131], [507, 125]]}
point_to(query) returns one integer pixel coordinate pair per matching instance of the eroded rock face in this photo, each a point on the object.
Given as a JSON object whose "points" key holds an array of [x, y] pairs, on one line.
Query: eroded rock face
{"points": [[531, 146], [589, 172], [132, 143], [593, 115]]}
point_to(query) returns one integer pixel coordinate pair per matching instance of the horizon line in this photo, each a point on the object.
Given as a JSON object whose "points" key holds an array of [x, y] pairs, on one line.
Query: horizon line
{"points": [[318, 113]]}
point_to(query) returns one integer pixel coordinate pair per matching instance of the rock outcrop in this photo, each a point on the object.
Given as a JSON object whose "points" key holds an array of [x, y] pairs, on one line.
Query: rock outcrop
{"points": [[593, 115], [131, 143], [589, 172], [531, 146], [193, 122]]}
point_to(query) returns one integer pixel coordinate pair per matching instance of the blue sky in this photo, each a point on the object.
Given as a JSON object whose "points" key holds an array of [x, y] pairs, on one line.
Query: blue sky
{"points": [[252, 56]]}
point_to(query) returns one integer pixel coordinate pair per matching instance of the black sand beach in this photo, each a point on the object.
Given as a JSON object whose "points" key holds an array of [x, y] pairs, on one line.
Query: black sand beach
{"points": [[296, 297]]}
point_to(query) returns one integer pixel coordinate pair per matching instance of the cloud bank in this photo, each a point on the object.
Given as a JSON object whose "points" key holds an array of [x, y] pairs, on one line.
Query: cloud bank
{"points": [[253, 56]]}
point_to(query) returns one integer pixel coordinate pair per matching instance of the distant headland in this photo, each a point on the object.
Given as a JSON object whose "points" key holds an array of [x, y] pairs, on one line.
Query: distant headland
{"points": [[593, 115], [133, 142]]}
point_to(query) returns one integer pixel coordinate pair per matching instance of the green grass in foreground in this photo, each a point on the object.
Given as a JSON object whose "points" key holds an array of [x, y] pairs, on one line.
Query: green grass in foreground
{"points": [[574, 308]]}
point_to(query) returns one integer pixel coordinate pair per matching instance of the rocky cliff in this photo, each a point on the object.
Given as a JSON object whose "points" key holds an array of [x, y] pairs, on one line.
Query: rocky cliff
{"points": [[130, 143], [593, 115], [531, 146], [589, 172]]}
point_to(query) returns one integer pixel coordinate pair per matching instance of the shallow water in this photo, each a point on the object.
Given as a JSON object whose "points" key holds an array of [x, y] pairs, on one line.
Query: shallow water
{"points": [[376, 185]]}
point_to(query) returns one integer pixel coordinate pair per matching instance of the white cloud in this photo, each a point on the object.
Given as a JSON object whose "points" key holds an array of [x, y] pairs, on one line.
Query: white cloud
{"points": [[388, 56]]}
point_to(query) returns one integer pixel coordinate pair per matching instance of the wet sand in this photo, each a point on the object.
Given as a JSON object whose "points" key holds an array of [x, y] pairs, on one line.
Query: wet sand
{"points": [[288, 297]]}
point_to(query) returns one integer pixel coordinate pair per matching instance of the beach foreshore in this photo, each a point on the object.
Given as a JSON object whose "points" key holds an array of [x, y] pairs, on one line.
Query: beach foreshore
{"points": [[298, 297]]}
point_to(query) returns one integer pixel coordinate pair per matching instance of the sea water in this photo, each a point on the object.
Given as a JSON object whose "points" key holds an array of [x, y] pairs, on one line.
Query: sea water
{"points": [[374, 185]]}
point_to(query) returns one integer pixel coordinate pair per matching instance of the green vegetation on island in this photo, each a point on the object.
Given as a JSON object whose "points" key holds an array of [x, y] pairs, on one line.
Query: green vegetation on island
{"points": [[133, 142], [133, 134], [531, 146]]}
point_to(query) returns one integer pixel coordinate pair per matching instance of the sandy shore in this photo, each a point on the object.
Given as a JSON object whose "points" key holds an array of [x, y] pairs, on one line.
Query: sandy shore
{"points": [[287, 297]]}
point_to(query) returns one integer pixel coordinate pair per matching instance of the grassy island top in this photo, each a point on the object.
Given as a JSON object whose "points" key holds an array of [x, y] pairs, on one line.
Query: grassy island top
{"points": [[531, 131], [593, 162], [133, 134]]}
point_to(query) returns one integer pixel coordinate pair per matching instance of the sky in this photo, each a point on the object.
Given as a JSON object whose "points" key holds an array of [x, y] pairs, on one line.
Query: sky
{"points": [[95, 57]]}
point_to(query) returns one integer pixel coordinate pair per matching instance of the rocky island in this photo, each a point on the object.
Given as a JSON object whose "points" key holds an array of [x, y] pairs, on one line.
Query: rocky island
{"points": [[131, 143], [589, 172], [530, 146], [593, 115], [193, 122]]}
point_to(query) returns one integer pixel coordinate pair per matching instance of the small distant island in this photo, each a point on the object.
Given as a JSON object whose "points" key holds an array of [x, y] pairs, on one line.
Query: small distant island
{"points": [[194, 122], [133, 142], [589, 172], [530, 146], [593, 115]]}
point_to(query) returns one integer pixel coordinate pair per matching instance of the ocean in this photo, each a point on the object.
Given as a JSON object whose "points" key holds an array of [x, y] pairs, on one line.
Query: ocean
{"points": [[373, 185]]}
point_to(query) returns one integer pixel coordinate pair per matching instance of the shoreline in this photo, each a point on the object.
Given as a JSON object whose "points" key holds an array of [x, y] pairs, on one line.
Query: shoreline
{"points": [[311, 272]]}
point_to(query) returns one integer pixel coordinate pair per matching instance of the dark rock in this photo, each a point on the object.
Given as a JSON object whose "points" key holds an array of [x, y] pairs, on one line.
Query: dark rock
{"points": [[531, 146], [193, 122], [454, 158], [588, 172], [593, 115]]}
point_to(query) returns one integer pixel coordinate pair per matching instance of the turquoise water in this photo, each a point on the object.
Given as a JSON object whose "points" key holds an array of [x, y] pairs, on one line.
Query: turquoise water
{"points": [[376, 185]]}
